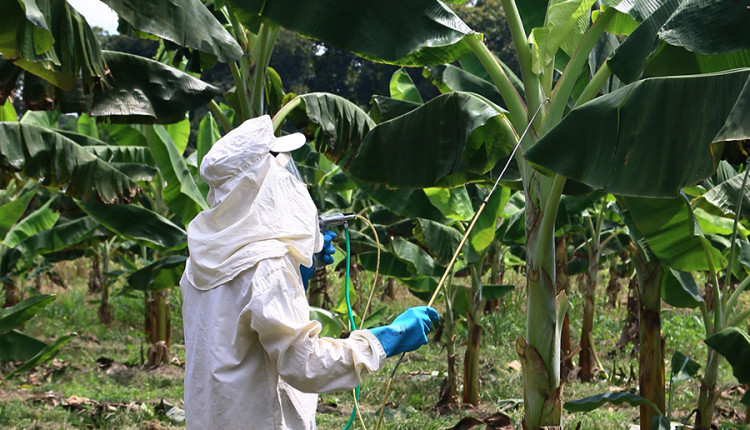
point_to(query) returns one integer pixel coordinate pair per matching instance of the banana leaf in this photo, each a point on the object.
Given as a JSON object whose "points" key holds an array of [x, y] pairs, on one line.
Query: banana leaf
{"points": [[39, 220], [63, 235], [483, 233], [389, 264], [386, 108], [649, 138], [7, 111], [439, 239], [144, 90], [683, 367], [709, 26], [589, 404], [86, 125], [670, 230], [409, 203], [453, 203], [42, 356], [137, 223], [734, 345], [628, 60], [37, 152], [671, 60], [402, 87], [565, 23], [181, 194], [418, 260], [14, 316], [12, 211], [124, 134], [177, 21], [446, 142], [726, 194], [413, 33], [680, 290], [158, 275], [50, 40], [343, 125], [451, 78], [332, 327], [17, 346]]}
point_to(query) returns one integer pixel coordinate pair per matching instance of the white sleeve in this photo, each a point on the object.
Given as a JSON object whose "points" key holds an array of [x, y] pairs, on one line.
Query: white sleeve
{"points": [[279, 313]]}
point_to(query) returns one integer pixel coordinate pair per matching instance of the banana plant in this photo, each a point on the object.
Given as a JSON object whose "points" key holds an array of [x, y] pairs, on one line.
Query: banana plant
{"points": [[594, 223]]}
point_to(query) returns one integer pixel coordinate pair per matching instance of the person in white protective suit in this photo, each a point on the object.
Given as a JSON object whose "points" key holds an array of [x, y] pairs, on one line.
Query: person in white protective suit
{"points": [[254, 359]]}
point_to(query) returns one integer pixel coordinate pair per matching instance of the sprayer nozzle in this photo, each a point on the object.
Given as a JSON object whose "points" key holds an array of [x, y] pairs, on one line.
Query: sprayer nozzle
{"points": [[334, 219]]}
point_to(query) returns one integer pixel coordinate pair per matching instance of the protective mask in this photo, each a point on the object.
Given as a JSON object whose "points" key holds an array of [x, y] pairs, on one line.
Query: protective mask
{"points": [[285, 160]]}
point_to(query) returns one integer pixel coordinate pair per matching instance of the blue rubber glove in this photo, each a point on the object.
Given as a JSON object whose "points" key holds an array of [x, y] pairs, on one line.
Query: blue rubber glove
{"points": [[407, 332], [325, 256]]}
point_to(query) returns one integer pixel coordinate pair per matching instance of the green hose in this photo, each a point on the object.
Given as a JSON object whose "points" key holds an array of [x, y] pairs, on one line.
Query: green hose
{"points": [[351, 317]]}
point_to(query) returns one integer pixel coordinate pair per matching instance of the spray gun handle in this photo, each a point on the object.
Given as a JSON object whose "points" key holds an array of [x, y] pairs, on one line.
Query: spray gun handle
{"points": [[331, 220]]}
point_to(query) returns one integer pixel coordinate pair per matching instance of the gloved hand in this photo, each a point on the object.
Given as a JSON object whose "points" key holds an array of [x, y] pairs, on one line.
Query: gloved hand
{"points": [[407, 332], [325, 256]]}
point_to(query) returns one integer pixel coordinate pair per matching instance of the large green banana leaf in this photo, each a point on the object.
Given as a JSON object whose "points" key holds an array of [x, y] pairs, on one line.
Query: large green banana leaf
{"points": [[409, 33], [671, 60], [143, 90], [451, 78], [41, 153], [448, 141], [726, 194], [45, 354], [181, 194], [39, 220], [440, 239], [13, 210], [483, 233], [17, 346], [63, 235], [184, 22], [158, 275], [680, 290], [634, 55], [138, 223], [709, 26], [669, 228], [387, 108], [416, 258], [734, 345], [453, 203], [14, 316], [389, 264], [133, 161], [649, 138], [343, 125], [402, 87], [409, 203], [629, 58], [50, 40]]}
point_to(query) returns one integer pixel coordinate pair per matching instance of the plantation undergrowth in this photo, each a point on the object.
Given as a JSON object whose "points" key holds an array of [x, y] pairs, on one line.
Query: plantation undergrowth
{"points": [[99, 380]]}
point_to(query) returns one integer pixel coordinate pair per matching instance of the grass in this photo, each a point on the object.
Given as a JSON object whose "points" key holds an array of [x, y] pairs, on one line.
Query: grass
{"points": [[81, 389]]}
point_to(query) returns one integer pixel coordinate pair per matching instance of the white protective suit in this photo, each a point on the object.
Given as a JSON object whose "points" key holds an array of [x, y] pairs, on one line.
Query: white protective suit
{"points": [[253, 356]]}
